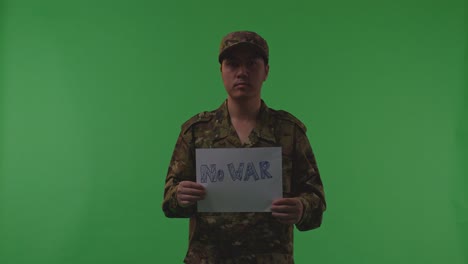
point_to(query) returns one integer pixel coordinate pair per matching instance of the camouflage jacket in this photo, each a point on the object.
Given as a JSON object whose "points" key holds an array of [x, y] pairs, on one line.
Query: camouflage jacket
{"points": [[245, 237]]}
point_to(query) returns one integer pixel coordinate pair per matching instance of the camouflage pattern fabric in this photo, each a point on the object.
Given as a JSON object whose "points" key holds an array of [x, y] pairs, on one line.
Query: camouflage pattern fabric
{"points": [[237, 38], [224, 238]]}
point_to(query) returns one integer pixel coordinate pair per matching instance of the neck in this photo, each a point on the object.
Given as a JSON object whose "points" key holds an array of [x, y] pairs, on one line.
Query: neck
{"points": [[243, 109]]}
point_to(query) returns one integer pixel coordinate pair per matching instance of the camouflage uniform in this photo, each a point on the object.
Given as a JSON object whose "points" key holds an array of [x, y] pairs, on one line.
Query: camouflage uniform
{"points": [[245, 237]]}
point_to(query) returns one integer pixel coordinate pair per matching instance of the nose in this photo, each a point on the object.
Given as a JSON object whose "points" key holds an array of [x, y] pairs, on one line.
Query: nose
{"points": [[243, 70]]}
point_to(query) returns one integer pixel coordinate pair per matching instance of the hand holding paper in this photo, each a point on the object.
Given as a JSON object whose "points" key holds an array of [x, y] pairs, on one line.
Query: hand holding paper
{"points": [[189, 192], [287, 210], [239, 179]]}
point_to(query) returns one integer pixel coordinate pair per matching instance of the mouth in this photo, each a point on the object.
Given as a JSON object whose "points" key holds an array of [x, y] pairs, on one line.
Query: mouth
{"points": [[241, 84]]}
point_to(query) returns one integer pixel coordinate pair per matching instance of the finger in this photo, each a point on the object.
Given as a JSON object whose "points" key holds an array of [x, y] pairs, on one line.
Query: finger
{"points": [[185, 203], [285, 218], [182, 189], [184, 199], [190, 191], [285, 201], [284, 209], [192, 185]]}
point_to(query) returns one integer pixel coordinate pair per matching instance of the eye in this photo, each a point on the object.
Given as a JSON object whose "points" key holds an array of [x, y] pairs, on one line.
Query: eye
{"points": [[232, 63], [252, 62]]}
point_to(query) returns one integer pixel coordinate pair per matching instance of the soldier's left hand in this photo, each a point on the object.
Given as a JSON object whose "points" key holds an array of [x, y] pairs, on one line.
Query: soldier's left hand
{"points": [[287, 210]]}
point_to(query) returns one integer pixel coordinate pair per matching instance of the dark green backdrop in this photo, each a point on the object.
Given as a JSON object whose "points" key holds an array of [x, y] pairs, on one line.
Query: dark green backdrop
{"points": [[93, 94]]}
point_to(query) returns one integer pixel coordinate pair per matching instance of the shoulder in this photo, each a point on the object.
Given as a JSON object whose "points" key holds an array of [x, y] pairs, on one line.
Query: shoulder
{"points": [[202, 117], [288, 117]]}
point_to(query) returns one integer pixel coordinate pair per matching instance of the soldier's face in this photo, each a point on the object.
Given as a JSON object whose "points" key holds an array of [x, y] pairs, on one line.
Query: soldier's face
{"points": [[243, 73]]}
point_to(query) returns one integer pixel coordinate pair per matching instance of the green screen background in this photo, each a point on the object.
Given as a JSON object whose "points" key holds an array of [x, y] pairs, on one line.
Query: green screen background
{"points": [[93, 93]]}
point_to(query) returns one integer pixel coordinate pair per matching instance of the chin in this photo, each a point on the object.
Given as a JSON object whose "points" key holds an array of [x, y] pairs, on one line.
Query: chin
{"points": [[241, 96]]}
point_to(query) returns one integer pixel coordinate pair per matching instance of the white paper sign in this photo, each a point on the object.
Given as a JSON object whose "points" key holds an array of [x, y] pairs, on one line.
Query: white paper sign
{"points": [[239, 179]]}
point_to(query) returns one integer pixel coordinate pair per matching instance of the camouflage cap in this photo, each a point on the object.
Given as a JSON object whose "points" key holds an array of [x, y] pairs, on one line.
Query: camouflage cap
{"points": [[237, 38]]}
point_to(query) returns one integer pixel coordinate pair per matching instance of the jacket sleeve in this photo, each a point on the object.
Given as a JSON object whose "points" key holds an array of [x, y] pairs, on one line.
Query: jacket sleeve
{"points": [[307, 183], [181, 168]]}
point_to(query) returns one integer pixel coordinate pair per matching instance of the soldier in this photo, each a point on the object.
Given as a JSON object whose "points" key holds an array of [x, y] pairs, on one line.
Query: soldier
{"points": [[243, 121]]}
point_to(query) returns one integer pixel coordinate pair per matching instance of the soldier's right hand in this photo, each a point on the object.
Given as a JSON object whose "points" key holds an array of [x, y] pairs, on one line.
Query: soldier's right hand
{"points": [[189, 192]]}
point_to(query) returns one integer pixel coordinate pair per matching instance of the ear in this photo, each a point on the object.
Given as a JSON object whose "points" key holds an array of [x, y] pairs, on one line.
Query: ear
{"points": [[267, 70], [221, 67]]}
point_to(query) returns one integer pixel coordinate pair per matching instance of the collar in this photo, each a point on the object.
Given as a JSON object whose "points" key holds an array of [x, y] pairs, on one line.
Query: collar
{"points": [[264, 128]]}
